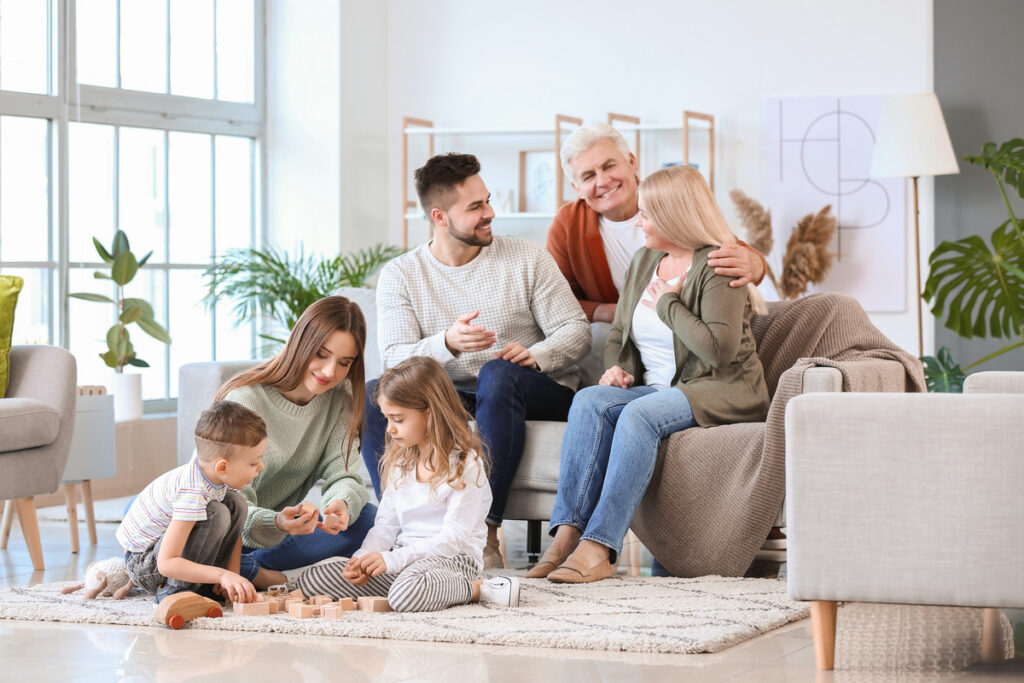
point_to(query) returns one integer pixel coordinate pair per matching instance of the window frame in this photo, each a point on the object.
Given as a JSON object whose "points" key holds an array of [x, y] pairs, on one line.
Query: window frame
{"points": [[69, 102]]}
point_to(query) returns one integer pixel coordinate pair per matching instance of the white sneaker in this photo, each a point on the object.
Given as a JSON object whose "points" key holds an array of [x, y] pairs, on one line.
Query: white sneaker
{"points": [[500, 590]]}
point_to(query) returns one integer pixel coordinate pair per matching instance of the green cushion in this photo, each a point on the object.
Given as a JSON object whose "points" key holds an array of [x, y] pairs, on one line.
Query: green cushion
{"points": [[10, 285]]}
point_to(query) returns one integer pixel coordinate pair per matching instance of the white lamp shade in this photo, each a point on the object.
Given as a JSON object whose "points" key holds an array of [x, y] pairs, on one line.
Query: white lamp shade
{"points": [[912, 139]]}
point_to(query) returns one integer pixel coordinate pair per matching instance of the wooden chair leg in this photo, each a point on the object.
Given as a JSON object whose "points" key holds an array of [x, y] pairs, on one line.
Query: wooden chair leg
{"points": [[90, 516], [823, 623], [5, 533], [30, 530], [69, 496], [992, 637]]}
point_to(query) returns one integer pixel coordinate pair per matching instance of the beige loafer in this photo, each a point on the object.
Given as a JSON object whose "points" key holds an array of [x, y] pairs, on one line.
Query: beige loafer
{"points": [[571, 571]]}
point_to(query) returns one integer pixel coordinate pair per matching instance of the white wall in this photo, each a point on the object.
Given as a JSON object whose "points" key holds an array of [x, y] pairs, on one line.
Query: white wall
{"points": [[488, 63]]}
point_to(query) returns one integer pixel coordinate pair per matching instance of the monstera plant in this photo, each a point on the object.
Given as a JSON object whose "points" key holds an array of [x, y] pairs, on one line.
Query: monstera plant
{"points": [[977, 287]]}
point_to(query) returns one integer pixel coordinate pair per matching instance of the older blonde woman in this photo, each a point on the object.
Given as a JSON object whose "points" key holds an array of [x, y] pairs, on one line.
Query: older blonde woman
{"points": [[680, 354]]}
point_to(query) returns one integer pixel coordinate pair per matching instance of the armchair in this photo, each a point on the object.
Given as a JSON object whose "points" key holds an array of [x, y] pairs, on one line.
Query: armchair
{"points": [[880, 487], [36, 422]]}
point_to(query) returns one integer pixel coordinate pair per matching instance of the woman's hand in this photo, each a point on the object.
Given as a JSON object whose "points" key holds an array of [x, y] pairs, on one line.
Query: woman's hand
{"points": [[616, 377], [335, 517], [658, 288], [287, 521]]}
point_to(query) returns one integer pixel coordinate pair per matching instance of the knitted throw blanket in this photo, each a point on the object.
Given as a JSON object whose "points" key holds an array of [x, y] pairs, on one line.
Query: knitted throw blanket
{"points": [[715, 492]]}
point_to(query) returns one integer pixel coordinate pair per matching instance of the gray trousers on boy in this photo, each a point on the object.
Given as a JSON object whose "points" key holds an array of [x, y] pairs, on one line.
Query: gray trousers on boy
{"points": [[426, 585], [210, 542]]}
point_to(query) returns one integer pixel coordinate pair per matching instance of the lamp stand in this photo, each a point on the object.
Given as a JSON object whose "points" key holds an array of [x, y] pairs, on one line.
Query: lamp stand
{"points": [[917, 260]]}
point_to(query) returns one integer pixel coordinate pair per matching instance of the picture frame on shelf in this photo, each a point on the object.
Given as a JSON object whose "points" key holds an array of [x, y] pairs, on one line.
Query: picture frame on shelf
{"points": [[537, 180]]}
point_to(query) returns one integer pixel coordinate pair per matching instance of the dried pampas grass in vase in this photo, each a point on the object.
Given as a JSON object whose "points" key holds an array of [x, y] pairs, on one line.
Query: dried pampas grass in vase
{"points": [[758, 222], [807, 259]]}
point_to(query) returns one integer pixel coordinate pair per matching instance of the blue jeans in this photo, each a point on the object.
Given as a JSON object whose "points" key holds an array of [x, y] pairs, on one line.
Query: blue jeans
{"points": [[506, 396], [301, 551], [608, 456]]}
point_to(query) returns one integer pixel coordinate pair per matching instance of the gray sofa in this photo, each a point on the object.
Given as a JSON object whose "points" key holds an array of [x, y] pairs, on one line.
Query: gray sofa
{"points": [[532, 496], [37, 418]]}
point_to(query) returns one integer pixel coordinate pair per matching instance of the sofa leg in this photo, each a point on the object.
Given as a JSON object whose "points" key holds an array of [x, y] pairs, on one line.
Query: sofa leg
{"points": [[5, 533], [533, 541], [30, 530], [823, 623], [992, 637]]}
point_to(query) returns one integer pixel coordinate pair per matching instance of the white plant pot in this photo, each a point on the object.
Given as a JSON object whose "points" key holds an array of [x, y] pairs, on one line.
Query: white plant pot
{"points": [[127, 396]]}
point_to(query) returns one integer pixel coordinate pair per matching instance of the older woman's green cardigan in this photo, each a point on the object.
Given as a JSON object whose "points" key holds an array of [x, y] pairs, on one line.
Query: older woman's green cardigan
{"points": [[716, 358]]}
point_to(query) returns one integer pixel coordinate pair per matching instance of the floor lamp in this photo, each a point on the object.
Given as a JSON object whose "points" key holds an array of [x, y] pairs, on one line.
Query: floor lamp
{"points": [[912, 141]]}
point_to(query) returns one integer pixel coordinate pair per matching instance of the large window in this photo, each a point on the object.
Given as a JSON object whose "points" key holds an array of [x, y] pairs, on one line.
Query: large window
{"points": [[139, 115]]}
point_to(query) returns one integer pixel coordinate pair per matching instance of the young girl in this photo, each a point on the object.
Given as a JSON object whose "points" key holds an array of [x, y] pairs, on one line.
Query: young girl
{"points": [[425, 550], [311, 397]]}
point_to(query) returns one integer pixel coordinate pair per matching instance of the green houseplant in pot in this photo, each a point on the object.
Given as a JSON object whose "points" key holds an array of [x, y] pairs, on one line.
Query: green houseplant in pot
{"points": [[978, 288], [269, 284], [128, 311]]}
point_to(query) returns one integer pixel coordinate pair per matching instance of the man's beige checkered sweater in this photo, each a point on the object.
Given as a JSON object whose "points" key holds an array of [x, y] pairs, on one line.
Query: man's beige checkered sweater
{"points": [[516, 286]]}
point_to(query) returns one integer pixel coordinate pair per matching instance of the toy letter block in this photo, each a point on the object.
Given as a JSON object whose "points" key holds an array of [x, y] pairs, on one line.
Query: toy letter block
{"points": [[251, 609], [346, 604], [302, 611], [320, 600], [331, 611], [374, 603]]}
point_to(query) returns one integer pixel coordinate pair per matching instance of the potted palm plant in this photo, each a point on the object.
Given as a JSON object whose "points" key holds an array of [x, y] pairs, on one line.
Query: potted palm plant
{"points": [[269, 283], [120, 352]]}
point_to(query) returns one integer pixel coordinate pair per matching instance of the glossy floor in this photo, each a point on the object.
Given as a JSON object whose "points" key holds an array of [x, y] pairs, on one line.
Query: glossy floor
{"points": [[79, 652]]}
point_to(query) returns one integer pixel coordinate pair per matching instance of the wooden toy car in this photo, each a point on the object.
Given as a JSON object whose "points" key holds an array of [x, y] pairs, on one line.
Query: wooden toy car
{"points": [[176, 609]]}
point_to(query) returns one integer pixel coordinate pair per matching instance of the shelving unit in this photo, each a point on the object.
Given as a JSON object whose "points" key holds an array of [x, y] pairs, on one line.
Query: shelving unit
{"points": [[563, 125]]}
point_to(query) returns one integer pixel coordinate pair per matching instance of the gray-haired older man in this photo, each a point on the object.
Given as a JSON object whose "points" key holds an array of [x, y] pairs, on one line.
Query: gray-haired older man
{"points": [[594, 238]]}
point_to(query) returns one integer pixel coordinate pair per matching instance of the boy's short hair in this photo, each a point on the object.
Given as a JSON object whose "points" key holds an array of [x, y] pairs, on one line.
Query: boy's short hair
{"points": [[224, 426], [440, 175]]}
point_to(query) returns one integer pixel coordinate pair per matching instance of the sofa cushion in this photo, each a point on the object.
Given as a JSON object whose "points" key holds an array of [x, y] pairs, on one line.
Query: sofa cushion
{"points": [[27, 423], [10, 285]]}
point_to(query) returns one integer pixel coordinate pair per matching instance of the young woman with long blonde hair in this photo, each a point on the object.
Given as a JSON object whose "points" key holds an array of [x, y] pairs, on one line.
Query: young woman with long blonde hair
{"points": [[680, 354], [425, 550], [311, 397]]}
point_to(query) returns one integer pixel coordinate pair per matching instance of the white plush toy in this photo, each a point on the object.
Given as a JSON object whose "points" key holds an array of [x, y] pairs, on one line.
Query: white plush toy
{"points": [[108, 577]]}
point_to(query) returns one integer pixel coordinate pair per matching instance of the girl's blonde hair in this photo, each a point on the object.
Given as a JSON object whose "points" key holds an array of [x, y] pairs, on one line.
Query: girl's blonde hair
{"points": [[420, 383], [679, 202], [285, 371]]}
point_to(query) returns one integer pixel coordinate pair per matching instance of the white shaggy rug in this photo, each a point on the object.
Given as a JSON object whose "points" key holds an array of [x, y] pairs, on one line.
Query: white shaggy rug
{"points": [[110, 510], [623, 613]]}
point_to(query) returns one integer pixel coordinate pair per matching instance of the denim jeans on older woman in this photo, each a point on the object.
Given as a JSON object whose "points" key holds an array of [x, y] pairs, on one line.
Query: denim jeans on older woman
{"points": [[608, 455]]}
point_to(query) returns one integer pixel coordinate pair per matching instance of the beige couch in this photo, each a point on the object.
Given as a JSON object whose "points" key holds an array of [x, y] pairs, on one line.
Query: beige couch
{"points": [[911, 499]]}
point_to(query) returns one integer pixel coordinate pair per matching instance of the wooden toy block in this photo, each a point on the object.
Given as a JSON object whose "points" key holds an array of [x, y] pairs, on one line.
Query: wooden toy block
{"points": [[297, 593], [331, 611], [346, 604], [302, 611], [262, 597], [374, 603], [320, 600], [176, 609], [251, 609], [310, 508], [331, 521]]}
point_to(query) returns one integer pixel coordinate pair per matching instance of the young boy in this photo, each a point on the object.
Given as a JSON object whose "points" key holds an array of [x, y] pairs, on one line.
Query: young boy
{"points": [[184, 531]]}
